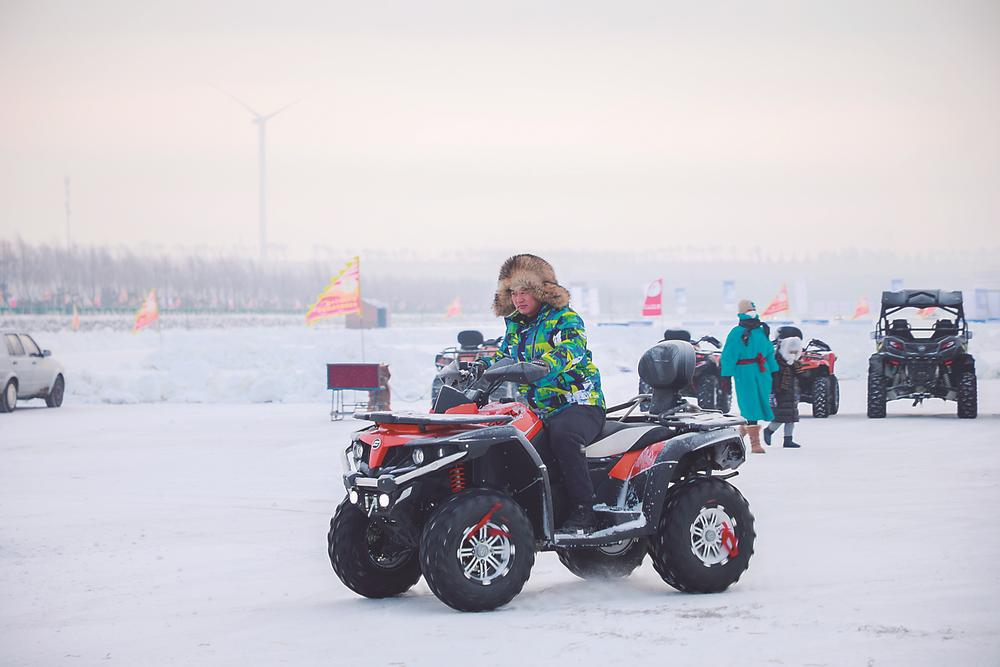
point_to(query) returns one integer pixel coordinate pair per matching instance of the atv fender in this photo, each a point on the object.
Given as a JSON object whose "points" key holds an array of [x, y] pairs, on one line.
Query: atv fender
{"points": [[720, 449]]}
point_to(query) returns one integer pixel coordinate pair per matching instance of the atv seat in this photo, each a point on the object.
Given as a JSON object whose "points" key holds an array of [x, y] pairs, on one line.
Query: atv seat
{"points": [[943, 329], [900, 329], [620, 437]]}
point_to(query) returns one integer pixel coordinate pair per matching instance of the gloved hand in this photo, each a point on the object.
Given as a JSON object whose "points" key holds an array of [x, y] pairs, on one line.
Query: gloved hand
{"points": [[726, 382]]}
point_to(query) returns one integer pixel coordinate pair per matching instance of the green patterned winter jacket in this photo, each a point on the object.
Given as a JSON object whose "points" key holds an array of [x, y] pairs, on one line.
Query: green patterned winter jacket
{"points": [[557, 338]]}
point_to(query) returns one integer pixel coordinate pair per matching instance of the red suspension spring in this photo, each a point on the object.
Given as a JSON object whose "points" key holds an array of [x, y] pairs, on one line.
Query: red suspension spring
{"points": [[456, 477]]}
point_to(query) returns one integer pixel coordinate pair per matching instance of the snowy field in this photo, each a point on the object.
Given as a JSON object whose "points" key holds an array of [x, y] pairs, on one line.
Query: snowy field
{"points": [[170, 514]]}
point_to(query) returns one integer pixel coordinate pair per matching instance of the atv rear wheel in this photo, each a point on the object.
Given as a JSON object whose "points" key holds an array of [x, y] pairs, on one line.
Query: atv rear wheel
{"points": [[708, 389], [366, 557], [876, 392], [834, 395], [604, 562], [477, 550], [821, 397], [968, 399], [705, 537]]}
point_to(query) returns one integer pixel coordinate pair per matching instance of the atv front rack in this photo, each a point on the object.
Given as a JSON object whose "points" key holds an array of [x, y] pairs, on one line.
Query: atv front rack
{"points": [[421, 419]]}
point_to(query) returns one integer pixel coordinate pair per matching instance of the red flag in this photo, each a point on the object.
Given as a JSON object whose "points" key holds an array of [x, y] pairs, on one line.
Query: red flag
{"points": [[861, 309], [75, 322], [454, 309], [148, 313], [653, 305], [926, 312], [779, 304]]}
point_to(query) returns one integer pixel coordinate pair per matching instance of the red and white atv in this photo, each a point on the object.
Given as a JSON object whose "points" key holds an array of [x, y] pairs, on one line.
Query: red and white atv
{"points": [[466, 495]]}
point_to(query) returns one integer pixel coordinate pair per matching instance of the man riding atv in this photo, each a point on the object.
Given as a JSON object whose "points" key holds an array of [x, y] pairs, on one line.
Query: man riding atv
{"points": [[543, 330]]}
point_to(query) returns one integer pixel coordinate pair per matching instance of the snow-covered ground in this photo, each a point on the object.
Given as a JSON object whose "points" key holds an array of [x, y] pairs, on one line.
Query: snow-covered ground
{"points": [[257, 364], [168, 532]]}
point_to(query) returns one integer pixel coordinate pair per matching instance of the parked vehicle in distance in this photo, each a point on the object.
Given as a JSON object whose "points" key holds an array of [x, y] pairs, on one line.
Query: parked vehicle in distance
{"points": [[712, 391], [922, 362], [27, 371], [818, 383]]}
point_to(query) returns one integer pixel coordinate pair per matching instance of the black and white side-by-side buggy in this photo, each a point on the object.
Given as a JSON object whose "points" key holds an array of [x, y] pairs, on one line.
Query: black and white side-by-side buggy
{"points": [[922, 362], [467, 495]]}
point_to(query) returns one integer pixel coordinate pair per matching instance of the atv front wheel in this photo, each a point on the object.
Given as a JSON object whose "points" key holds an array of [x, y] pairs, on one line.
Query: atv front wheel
{"points": [[367, 557], [604, 562], [968, 399], [821, 397], [708, 388], [876, 392], [705, 537], [477, 550], [834, 395]]}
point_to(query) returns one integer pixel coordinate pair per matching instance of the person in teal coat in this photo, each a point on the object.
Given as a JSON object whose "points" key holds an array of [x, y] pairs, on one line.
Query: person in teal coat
{"points": [[748, 358]]}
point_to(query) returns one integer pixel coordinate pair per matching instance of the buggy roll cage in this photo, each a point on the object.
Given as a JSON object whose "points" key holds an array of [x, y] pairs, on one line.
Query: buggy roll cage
{"points": [[946, 300]]}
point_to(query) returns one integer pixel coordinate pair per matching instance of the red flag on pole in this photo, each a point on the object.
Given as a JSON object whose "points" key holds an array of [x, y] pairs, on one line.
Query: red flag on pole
{"points": [[779, 304], [148, 313], [454, 309], [653, 305], [861, 309]]}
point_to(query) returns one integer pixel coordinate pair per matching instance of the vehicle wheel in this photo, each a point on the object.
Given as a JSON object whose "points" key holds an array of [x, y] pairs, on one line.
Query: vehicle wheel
{"points": [[724, 399], [55, 397], [477, 550], [705, 537], [821, 397], [968, 400], [876, 392], [834, 395], [8, 399], [604, 562], [708, 387], [365, 556]]}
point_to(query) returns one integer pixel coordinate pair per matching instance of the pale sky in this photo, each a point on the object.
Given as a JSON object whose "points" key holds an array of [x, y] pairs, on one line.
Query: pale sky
{"points": [[526, 125]]}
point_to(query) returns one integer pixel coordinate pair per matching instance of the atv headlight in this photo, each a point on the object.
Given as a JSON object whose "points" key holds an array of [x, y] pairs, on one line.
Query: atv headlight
{"points": [[418, 456], [359, 451]]}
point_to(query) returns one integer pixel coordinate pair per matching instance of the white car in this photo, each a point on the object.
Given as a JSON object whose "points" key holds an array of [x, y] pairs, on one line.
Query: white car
{"points": [[27, 371]]}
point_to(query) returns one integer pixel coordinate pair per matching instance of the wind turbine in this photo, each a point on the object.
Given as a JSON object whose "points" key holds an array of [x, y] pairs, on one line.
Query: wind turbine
{"points": [[260, 120]]}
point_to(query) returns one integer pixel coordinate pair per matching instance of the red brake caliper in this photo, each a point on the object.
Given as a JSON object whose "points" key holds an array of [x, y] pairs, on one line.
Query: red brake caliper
{"points": [[729, 540]]}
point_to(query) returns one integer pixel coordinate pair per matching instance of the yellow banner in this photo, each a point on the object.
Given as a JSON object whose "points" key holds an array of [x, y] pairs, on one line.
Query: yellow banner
{"points": [[341, 297]]}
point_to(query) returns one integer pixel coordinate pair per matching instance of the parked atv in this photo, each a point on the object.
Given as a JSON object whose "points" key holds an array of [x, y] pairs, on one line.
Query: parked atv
{"points": [[818, 383], [471, 346], [712, 391], [934, 363], [466, 495]]}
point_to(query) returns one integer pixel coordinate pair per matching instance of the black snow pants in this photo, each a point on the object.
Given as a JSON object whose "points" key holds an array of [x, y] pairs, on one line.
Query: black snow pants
{"points": [[569, 432]]}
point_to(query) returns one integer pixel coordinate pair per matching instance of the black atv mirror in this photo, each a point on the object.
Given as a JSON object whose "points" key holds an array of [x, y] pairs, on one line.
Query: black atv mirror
{"points": [[710, 339]]}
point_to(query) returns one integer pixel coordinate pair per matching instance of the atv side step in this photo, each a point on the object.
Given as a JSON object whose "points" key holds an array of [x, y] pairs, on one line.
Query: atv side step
{"points": [[628, 525]]}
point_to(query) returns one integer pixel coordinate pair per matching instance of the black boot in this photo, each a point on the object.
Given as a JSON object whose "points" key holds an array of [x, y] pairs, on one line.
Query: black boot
{"points": [[581, 519], [767, 436], [790, 444]]}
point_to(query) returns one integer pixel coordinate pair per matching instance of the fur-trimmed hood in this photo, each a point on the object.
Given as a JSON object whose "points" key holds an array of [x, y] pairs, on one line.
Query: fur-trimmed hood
{"points": [[528, 272]]}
